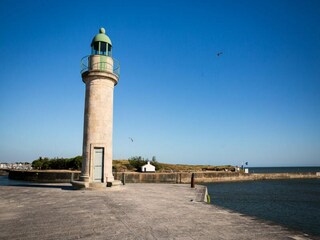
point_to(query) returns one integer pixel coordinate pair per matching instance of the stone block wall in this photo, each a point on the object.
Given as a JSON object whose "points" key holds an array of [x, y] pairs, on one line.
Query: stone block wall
{"points": [[204, 177], [44, 176]]}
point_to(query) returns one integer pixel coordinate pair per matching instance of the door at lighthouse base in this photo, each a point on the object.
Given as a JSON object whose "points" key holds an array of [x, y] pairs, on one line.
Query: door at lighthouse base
{"points": [[98, 165]]}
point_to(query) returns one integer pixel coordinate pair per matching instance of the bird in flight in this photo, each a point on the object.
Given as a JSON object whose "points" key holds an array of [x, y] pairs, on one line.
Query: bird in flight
{"points": [[219, 53], [131, 139]]}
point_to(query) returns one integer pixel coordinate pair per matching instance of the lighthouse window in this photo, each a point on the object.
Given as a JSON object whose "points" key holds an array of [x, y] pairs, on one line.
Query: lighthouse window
{"points": [[95, 49], [103, 48], [109, 50]]}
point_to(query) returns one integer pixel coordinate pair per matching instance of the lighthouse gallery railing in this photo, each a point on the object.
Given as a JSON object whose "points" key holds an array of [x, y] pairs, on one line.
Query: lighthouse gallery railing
{"points": [[101, 66]]}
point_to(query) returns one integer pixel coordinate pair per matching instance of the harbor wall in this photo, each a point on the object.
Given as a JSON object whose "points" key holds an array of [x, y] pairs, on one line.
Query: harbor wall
{"points": [[206, 177], [64, 176], [4, 172], [44, 176]]}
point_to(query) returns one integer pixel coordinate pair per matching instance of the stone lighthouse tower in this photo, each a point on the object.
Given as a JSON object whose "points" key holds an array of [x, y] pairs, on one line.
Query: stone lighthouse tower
{"points": [[100, 73]]}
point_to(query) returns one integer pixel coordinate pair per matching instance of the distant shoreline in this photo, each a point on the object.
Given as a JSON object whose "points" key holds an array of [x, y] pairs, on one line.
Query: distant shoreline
{"points": [[3, 172]]}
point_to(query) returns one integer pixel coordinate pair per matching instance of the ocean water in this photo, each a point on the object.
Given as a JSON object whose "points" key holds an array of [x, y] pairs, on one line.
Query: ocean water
{"points": [[283, 169], [5, 181], [293, 203]]}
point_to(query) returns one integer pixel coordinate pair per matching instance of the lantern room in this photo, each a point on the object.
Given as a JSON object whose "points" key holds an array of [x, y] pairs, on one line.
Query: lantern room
{"points": [[101, 44]]}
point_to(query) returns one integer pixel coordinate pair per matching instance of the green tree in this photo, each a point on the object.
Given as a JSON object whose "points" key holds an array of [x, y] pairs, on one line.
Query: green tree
{"points": [[37, 164], [45, 164], [75, 163], [137, 162], [58, 163], [155, 163]]}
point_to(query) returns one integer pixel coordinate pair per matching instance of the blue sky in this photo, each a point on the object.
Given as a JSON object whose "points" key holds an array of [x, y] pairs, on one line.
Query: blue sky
{"points": [[258, 102]]}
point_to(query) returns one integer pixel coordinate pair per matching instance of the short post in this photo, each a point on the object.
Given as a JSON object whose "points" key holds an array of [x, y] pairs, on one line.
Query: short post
{"points": [[192, 180], [123, 178]]}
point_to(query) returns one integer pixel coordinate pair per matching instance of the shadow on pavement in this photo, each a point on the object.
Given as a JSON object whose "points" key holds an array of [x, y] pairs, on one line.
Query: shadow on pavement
{"points": [[30, 185], [5, 181]]}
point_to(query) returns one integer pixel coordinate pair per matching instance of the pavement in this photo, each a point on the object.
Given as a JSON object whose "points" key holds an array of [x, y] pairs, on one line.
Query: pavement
{"points": [[133, 211]]}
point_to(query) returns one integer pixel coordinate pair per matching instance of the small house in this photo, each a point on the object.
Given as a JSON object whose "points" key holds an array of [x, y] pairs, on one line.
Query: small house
{"points": [[148, 167]]}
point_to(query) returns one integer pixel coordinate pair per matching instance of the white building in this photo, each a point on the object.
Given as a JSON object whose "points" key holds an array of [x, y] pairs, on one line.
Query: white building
{"points": [[148, 168]]}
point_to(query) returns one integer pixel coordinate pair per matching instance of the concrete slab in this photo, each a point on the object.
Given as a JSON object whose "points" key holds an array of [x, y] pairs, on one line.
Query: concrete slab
{"points": [[133, 211]]}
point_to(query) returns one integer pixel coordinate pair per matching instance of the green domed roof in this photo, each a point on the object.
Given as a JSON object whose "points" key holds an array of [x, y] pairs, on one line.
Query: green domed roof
{"points": [[101, 37]]}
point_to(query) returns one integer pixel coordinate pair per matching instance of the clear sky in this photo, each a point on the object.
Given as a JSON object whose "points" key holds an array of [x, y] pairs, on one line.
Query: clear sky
{"points": [[258, 102]]}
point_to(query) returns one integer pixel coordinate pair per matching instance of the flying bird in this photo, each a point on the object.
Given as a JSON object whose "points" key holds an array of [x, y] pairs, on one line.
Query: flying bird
{"points": [[219, 53], [131, 139]]}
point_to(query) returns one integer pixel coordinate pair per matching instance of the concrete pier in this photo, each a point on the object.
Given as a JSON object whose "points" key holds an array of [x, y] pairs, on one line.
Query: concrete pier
{"points": [[133, 211]]}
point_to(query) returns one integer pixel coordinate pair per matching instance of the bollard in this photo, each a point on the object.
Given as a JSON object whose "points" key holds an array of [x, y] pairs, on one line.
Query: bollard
{"points": [[208, 198], [123, 179], [192, 180]]}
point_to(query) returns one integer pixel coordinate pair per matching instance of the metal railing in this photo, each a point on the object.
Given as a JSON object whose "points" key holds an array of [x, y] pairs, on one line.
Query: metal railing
{"points": [[101, 66]]}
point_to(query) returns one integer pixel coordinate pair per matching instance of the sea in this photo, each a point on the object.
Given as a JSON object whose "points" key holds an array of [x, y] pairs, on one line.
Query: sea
{"points": [[292, 203]]}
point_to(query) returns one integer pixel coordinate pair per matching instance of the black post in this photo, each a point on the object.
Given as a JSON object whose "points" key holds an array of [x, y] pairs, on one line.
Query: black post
{"points": [[123, 179], [192, 180]]}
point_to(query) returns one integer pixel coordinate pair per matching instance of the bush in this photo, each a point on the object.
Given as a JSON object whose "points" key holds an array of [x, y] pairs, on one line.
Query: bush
{"points": [[137, 162], [75, 163], [58, 163]]}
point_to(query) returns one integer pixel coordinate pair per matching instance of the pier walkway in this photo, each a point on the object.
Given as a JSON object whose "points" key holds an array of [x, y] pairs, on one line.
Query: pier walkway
{"points": [[133, 211]]}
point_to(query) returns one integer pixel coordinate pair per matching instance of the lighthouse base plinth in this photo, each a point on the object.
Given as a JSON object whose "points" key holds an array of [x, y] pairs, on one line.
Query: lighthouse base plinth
{"points": [[79, 185]]}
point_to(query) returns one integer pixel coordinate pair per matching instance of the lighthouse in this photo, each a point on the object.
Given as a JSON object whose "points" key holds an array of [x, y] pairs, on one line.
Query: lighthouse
{"points": [[100, 72]]}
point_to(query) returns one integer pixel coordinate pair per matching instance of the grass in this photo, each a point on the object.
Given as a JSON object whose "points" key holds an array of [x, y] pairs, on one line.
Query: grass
{"points": [[124, 166]]}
